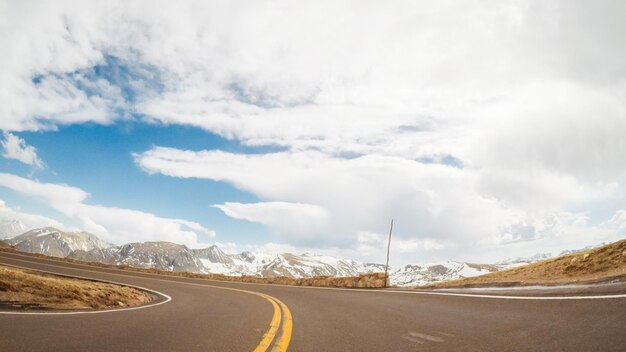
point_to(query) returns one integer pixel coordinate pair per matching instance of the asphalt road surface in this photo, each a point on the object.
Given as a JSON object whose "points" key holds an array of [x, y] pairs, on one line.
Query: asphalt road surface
{"points": [[205, 315]]}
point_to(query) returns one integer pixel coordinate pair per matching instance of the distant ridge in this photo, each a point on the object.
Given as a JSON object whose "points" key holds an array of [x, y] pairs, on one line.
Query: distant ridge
{"points": [[603, 263], [54, 242], [175, 257]]}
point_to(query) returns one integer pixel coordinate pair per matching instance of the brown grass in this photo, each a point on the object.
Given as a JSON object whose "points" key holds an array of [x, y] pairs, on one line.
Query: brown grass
{"points": [[596, 265], [27, 289], [4, 245], [370, 280]]}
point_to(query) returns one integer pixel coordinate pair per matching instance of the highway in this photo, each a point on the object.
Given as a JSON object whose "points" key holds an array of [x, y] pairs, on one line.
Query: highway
{"points": [[206, 315]]}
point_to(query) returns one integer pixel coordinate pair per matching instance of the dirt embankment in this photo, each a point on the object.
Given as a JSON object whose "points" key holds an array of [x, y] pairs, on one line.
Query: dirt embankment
{"points": [[25, 289], [596, 265]]}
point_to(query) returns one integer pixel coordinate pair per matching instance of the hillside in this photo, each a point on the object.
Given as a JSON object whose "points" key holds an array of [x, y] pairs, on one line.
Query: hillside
{"points": [[595, 265], [160, 255], [56, 243], [25, 289]]}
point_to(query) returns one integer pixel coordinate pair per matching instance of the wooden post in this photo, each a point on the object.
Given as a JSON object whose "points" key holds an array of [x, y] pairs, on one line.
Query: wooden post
{"points": [[387, 281]]}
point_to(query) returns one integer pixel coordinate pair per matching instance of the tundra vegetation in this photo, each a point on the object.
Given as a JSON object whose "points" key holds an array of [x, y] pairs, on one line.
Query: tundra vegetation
{"points": [[606, 263], [25, 289]]}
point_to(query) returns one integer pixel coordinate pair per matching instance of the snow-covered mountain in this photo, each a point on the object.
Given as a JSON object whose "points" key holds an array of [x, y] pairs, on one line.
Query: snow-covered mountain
{"points": [[422, 274], [307, 264], [570, 251], [268, 265], [11, 228], [175, 257], [160, 255], [512, 262], [213, 255], [216, 261], [56, 243]]}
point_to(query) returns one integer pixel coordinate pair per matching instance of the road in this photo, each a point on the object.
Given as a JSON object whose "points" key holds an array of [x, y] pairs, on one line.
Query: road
{"points": [[205, 315]]}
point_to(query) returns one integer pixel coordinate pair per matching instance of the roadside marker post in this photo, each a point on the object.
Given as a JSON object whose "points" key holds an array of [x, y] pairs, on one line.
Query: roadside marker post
{"points": [[387, 264]]}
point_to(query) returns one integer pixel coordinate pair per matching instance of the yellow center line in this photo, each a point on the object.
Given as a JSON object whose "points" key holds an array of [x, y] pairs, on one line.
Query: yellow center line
{"points": [[268, 337], [285, 337]]}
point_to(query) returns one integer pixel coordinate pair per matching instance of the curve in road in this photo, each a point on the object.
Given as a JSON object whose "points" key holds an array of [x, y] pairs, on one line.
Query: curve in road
{"points": [[281, 314], [327, 319]]}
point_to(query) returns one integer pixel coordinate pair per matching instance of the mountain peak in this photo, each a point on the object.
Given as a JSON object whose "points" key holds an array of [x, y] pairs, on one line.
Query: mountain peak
{"points": [[176, 257], [54, 242]]}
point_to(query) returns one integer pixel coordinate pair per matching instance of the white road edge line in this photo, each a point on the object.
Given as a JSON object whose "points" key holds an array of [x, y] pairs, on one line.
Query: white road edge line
{"points": [[513, 297], [167, 298], [428, 293], [535, 298], [425, 293]]}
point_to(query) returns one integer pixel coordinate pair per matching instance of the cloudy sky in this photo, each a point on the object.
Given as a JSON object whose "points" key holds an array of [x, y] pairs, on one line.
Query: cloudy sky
{"points": [[486, 129]]}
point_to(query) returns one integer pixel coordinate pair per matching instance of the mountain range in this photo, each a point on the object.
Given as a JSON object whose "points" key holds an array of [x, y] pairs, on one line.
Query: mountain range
{"points": [[56, 243], [175, 257]]}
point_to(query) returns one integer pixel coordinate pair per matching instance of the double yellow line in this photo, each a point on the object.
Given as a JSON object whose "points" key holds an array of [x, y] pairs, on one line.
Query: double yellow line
{"points": [[283, 340], [280, 344]]}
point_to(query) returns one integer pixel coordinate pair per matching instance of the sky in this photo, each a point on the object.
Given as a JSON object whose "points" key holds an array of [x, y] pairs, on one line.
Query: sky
{"points": [[485, 129]]}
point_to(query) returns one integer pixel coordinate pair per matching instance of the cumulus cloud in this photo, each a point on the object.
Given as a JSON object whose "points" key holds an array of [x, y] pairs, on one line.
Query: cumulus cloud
{"points": [[29, 220], [286, 219], [115, 225], [438, 208], [483, 124], [618, 221], [16, 148], [260, 73]]}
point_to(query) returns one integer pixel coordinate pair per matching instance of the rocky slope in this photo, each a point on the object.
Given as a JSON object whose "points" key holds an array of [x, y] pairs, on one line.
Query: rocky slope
{"points": [[56, 243], [175, 257], [422, 274], [159, 255], [599, 264]]}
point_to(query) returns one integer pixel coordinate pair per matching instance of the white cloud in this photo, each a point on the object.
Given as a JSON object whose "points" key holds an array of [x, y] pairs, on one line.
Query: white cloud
{"points": [[282, 218], [263, 74], [438, 209], [16, 148], [29, 220], [441, 211], [527, 96], [618, 221], [402, 252], [115, 225], [556, 127]]}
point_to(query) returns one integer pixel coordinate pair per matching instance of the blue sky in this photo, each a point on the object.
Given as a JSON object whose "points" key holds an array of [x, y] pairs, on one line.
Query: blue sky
{"points": [[99, 159], [486, 130]]}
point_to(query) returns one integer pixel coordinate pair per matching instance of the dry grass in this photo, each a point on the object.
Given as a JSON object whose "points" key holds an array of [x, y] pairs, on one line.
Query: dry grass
{"points": [[371, 280], [595, 265], [4, 245], [23, 289]]}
